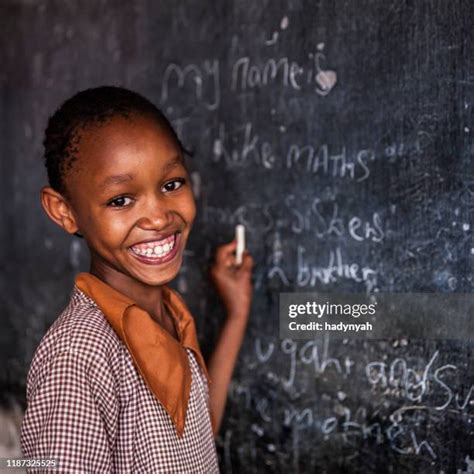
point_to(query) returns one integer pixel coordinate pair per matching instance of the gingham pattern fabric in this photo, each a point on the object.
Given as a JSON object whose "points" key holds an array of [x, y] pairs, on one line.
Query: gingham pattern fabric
{"points": [[89, 408]]}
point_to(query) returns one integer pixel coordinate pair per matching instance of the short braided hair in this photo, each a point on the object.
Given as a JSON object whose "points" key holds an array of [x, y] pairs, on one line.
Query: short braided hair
{"points": [[84, 109]]}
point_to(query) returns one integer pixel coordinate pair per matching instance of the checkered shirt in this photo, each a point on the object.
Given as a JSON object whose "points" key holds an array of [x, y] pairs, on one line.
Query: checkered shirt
{"points": [[89, 407]]}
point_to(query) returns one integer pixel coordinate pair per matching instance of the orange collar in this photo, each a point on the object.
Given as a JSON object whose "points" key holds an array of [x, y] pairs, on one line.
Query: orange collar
{"points": [[159, 357]]}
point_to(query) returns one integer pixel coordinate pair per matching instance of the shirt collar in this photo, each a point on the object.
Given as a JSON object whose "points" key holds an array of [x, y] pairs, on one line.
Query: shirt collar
{"points": [[159, 357]]}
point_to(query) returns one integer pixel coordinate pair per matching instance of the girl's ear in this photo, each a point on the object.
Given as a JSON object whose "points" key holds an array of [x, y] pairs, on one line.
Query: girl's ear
{"points": [[58, 209]]}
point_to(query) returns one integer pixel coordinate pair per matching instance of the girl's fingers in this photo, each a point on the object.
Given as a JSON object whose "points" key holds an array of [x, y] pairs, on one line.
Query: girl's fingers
{"points": [[225, 256], [223, 251], [245, 266], [247, 262]]}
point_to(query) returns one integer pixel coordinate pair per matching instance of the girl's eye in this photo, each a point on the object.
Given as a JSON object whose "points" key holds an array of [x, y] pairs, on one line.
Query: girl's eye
{"points": [[120, 201], [173, 185]]}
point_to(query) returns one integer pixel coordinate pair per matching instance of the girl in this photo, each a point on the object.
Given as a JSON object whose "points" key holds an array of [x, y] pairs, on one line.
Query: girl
{"points": [[118, 383]]}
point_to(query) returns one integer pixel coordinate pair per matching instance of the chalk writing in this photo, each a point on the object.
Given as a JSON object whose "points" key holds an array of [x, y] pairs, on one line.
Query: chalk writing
{"points": [[250, 151], [243, 146], [324, 161], [248, 74], [322, 219], [314, 354], [203, 80], [415, 385], [337, 268]]}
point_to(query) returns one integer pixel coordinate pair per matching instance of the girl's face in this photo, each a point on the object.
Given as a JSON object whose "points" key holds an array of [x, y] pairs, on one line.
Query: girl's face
{"points": [[132, 200]]}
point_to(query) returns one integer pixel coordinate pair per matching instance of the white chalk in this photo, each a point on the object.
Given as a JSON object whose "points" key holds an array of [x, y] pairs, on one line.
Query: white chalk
{"points": [[240, 237]]}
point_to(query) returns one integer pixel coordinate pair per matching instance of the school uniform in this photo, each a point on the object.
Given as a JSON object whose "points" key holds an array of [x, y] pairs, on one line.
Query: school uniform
{"points": [[109, 390]]}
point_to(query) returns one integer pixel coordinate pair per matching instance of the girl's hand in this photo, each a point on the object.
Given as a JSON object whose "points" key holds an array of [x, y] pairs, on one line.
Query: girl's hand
{"points": [[233, 283]]}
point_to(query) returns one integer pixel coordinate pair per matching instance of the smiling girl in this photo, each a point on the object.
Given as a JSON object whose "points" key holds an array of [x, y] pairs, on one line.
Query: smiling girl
{"points": [[118, 383]]}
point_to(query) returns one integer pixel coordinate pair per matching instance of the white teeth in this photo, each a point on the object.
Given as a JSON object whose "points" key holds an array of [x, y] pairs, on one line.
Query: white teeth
{"points": [[157, 251]]}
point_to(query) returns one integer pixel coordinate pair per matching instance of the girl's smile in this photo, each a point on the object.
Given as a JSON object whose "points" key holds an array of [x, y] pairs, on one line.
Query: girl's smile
{"points": [[157, 251]]}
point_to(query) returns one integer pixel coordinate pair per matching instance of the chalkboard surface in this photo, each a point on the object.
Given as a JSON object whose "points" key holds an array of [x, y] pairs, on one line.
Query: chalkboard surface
{"points": [[340, 134]]}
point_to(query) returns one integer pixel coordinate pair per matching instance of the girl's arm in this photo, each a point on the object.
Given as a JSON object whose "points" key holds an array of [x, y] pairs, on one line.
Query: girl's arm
{"points": [[234, 286]]}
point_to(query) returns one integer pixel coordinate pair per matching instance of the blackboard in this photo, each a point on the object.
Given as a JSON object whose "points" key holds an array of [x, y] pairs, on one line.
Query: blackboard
{"points": [[340, 134]]}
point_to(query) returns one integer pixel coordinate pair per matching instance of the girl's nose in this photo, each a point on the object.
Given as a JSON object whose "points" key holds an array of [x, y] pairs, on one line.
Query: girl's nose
{"points": [[156, 215]]}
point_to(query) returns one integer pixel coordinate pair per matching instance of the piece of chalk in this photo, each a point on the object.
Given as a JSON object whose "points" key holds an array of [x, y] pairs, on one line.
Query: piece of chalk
{"points": [[240, 237]]}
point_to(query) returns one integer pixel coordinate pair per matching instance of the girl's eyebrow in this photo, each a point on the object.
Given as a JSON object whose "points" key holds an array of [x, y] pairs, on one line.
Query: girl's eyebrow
{"points": [[122, 178], [177, 160], [117, 179]]}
